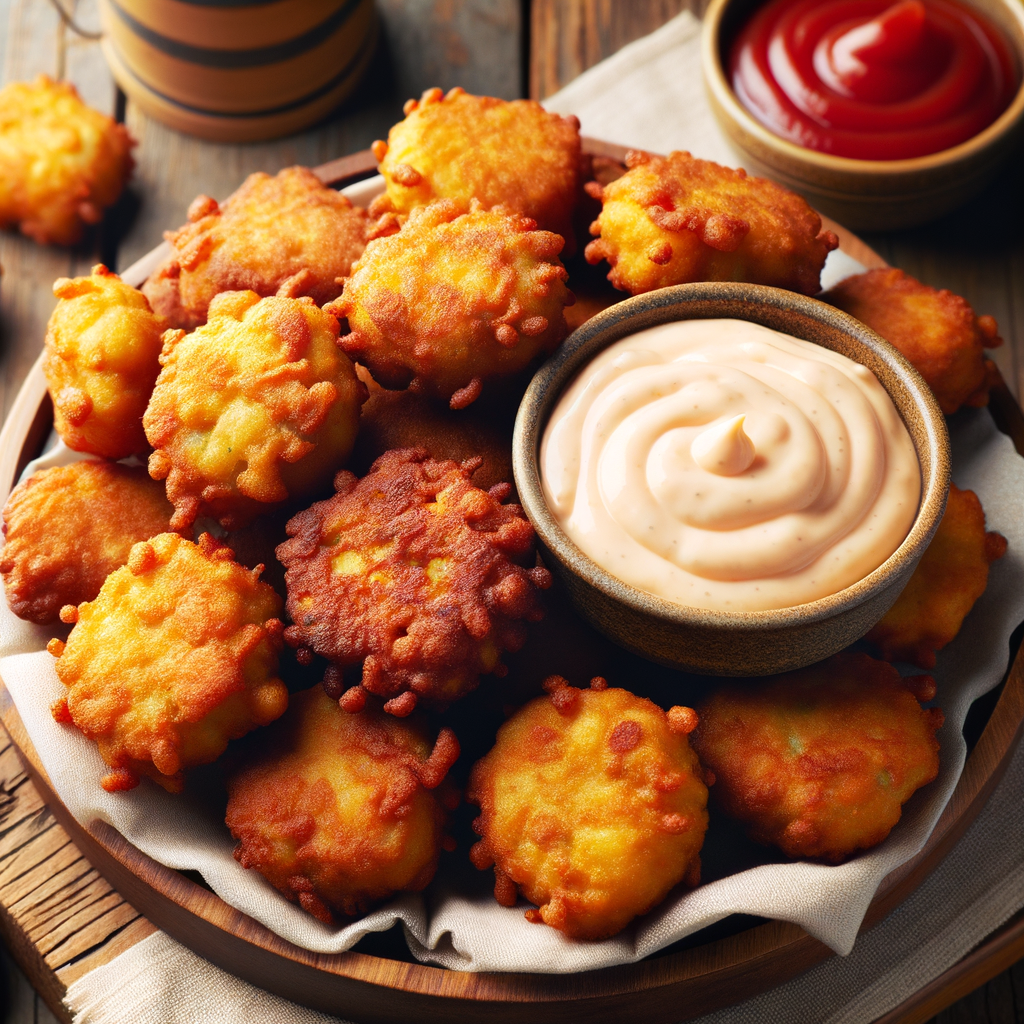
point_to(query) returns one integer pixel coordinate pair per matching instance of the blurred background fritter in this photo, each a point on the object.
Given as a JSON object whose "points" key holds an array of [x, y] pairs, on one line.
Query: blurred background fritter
{"points": [[67, 528], [61, 162], [256, 406], [819, 762], [416, 573], [176, 656], [102, 359], [283, 235], [592, 805], [675, 219], [340, 811]]}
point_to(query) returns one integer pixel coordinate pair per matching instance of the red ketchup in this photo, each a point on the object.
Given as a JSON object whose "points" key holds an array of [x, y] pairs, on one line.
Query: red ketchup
{"points": [[870, 79]]}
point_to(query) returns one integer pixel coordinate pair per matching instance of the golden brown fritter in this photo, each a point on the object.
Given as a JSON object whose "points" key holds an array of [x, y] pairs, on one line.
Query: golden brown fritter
{"points": [[340, 811], [102, 359], [256, 406], [951, 576], [61, 162], [459, 295], [285, 235], [458, 146], [69, 527], [819, 762], [675, 219], [175, 657], [591, 803], [417, 574], [936, 330]]}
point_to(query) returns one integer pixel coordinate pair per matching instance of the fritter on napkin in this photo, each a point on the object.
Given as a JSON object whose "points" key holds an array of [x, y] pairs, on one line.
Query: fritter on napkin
{"points": [[61, 162], [593, 805], [951, 576], [102, 359], [286, 235], [176, 656], [340, 811], [69, 527], [675, 219], [256, 406], [819, 762]]}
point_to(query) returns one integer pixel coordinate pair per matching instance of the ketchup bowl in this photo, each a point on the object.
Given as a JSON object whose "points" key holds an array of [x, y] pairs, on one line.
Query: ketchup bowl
{"points": [[710, 640], [867, 194]]}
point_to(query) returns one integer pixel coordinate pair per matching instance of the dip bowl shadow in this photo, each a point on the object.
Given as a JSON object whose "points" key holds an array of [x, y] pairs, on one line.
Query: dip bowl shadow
{"points": [[732, 643]]}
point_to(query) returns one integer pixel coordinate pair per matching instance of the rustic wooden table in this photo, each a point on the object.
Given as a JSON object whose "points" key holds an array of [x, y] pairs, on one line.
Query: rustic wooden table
{"points": [[58, 917]]}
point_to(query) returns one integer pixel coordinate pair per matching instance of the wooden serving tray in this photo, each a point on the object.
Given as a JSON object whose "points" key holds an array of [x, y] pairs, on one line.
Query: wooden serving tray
{"points": [[668, 988]]}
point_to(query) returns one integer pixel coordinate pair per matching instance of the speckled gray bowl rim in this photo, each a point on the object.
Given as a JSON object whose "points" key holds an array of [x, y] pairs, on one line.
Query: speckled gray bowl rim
{"points": [[661, 306]]}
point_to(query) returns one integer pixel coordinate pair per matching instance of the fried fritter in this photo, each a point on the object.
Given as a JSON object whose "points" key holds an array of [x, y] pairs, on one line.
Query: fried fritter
{"points": [[336, 810], [458, 146], [69, 527], [675, 219], [936, 330], [951, 576], [591, 803], [176, 656], [459, 295], [286, 235], [102, 359], [819, 762], [415, 572], [61, 162], [256, 406]]}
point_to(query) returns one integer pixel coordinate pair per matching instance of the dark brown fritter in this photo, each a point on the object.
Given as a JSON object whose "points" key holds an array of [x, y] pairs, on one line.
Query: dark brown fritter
{"points": [[936, 330], [69, 527], [287, 235], [340, 811], [415, 572]]}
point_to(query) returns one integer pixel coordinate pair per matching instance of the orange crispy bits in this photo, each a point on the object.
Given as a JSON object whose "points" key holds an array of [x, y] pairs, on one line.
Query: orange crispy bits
{"points": [[951, 576], [936, 330], [61, 162], [462, 147], [285, 235], [102, 359], [256, 406], [459, 295], [671, 220], [819, 762], [69, 527], [176, 656], [593, 805], [340, 811], [415, 572]]}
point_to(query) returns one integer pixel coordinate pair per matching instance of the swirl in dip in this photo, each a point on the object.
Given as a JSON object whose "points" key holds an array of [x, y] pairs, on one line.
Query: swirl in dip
{"points": [[724, 465]]}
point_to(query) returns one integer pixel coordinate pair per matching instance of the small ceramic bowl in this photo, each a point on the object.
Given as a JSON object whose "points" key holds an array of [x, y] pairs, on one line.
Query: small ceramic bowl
{"points": [[732, 643], [863, 194]]}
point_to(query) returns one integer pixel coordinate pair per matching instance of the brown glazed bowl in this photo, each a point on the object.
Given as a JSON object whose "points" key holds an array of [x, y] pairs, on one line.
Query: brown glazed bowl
{"points": [[864, 194], [732, 643]]}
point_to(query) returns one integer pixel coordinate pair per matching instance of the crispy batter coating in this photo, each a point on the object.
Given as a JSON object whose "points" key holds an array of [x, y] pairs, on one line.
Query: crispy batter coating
{"points": [[591, 803], [458, 146], [69, 527], [285, 235], [936, 330], [459, 295], [175, 657], [819, 762], [61, 162], [102, 359], [951, 576], [256, 406], [671, 220], [415, 572], [340, 811]]}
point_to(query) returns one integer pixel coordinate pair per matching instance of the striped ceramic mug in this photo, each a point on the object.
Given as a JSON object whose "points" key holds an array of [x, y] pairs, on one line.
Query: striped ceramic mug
{"points": [[238, 70]]}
